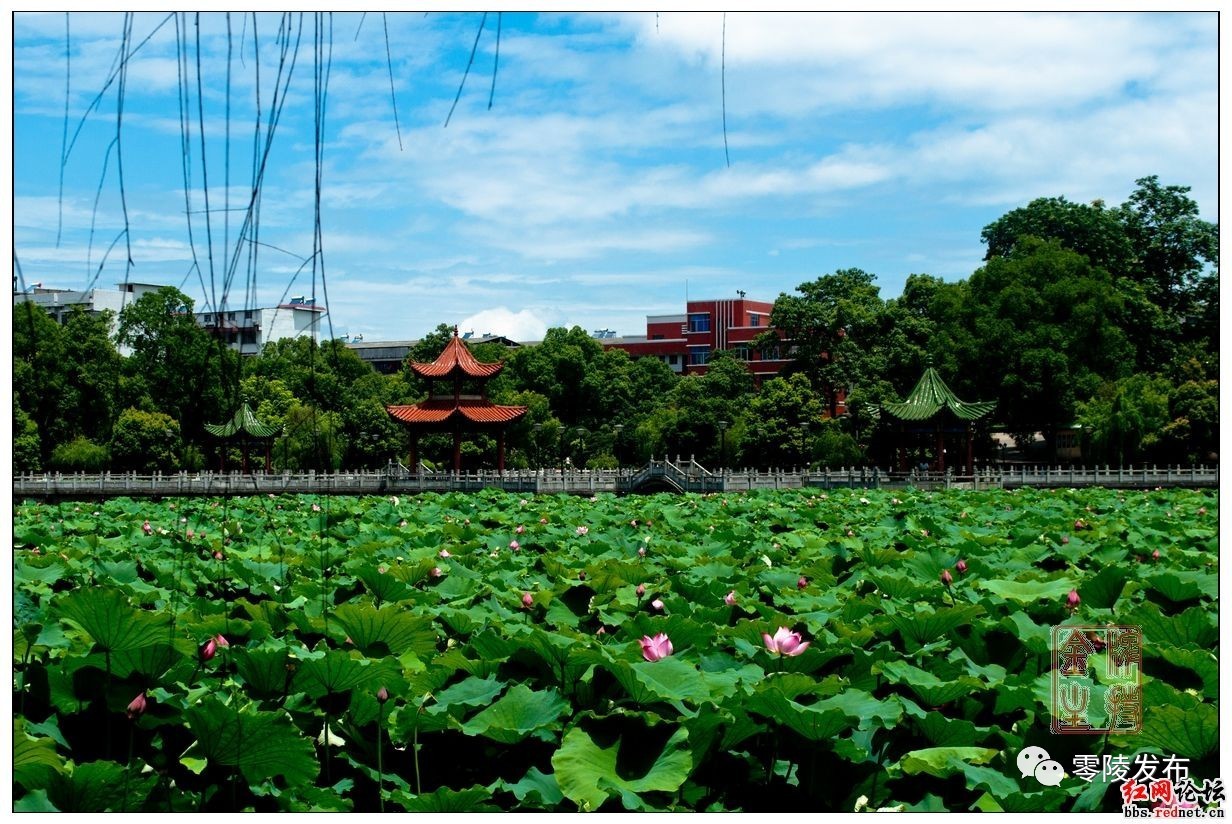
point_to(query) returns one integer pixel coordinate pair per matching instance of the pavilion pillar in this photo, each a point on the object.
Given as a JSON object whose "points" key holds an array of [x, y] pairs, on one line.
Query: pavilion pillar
{"points": [[244, 458], [500, 450], [970, 451], [457, 450], [940, 451], [268, 443]]}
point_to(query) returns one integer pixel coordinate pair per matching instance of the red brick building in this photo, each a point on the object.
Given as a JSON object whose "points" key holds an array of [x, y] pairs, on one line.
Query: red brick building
{"points": [[686, 341]]}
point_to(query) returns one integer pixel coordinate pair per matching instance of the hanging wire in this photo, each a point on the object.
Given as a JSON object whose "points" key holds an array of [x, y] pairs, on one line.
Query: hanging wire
{"points": [[205, 177], [68, 62], [120, 89], [496, 61], [723, 81], [389, 61], [475, 46]]}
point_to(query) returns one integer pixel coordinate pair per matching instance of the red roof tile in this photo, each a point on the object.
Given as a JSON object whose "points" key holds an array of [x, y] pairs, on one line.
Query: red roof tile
{"points": [[456, 357], [439, 411]]}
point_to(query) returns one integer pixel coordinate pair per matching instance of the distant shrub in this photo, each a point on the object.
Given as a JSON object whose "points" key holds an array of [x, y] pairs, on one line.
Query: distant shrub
{"points": [[79, 455]]}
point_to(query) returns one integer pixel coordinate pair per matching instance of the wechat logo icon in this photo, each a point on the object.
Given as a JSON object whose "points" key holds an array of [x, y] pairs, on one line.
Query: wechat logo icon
{"points": [[1036, 762]]}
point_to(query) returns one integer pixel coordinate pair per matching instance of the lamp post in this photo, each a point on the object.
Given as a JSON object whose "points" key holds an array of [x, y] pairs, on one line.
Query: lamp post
{"points": [[722, 444]]}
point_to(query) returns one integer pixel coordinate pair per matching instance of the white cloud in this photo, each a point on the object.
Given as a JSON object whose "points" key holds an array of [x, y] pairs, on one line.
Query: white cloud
{"points": [[520, 325]]}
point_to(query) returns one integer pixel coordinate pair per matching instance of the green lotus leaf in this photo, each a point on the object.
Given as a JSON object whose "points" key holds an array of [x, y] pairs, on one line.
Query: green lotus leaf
{"points": [[924, 624], [337, 671], [388, 630], [1103, 591], [810, 722], [472, 692], [1182, 587], [1188, 733], [944, 761], [587, 773], [264, 671], [932, 690], [1028, 592], [35, 760], [261, 744], [108, 618], [535, 788], [519, 713], [1191, 628], [445, 800], [99, 786]]}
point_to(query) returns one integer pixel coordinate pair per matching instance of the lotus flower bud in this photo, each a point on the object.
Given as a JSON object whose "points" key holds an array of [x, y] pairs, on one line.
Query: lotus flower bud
{"points": [[961, 566], [208, 650], [137, 706], [1155, 555], [382, 695], [657, 604], [946, 577], [785, 642], [515, 546], [802, 583], [730, 598], [444, 553], [641, 552], [1072, 599], [641, 590], [520, 529], [146, 528], [527, 599], [436, 572], [656, 648]]}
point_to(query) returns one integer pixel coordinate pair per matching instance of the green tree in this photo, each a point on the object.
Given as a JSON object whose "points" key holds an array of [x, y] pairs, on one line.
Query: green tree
{"points": [[79, 455], [311, 439], [832, 326], [92, 366], [783, 421], [189, 375], [27, 456], [145, 441], [40, 383], [1173, 248], [1092, 230]]}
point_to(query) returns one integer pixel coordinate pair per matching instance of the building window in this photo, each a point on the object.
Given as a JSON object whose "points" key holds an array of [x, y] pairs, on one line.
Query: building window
{"points": [[656, 337], [249, 336], [699, 356], [770, 353], [248, 315], [699, 322], [209, 319], [744, 353], [754, 320]]}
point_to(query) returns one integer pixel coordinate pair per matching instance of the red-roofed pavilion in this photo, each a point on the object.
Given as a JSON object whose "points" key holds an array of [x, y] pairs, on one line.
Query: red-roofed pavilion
{"points": [[448, 409]]}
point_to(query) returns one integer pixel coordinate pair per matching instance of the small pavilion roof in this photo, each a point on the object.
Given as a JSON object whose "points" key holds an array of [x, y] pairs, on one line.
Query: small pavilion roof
{"points": [[244, 421], [931, 396], [441, 410], [456, 358]]}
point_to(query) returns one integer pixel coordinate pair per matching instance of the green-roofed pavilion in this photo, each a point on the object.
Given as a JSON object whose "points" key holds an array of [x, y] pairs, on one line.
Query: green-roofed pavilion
{"points": [[243, 429], [933, 409]]}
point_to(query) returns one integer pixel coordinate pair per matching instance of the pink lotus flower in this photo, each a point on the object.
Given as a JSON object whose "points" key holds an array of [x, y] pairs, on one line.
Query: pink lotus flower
{"points": [[601, 631], [1065, 539], [1201, 510], [436, 572], [137, 706], [514, 545], [382, 695], [641, 552], [851, 533], [641, 590], [582, 530], [802, 583], [1155, 555], [221, 641], [316, 507], [657, 603], [1072, 599], [543, 520], [785, 642], [656, 648], [146, 528], [946, 577], [189, 534], [528, 600], [444, 553], [730, 598], [208, 650], [633, 522], [218, 555], [961, 566], [1079, 525], [520, 529]]}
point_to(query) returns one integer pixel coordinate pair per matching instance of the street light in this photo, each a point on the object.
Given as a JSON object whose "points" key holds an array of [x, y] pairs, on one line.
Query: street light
{"points": [[722, 444]]}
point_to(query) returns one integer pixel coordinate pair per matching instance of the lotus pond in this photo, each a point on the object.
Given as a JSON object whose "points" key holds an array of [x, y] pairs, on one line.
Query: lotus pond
{"points": [[794, 650]]}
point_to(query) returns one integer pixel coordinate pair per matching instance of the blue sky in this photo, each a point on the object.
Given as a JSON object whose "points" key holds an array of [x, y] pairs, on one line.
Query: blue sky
{"points": [[596, 189]]}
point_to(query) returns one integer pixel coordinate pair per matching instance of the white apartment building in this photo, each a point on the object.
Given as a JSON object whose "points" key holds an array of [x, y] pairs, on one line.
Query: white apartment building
{"points": [[245, 330]]}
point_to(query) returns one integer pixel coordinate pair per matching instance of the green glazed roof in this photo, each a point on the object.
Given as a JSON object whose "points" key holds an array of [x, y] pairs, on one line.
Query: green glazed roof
{"points": [[930, 396], [244, 421]]}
